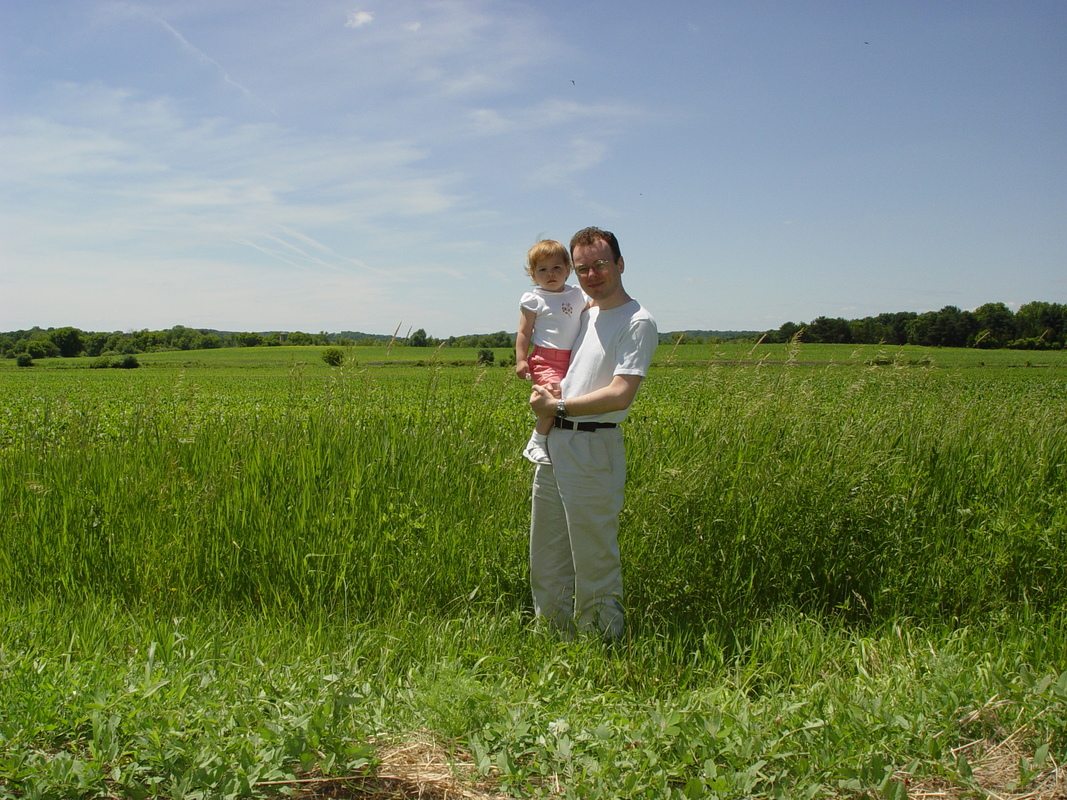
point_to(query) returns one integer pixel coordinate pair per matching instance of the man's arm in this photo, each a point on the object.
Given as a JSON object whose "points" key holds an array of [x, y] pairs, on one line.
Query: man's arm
{"points": [[616, 396]]}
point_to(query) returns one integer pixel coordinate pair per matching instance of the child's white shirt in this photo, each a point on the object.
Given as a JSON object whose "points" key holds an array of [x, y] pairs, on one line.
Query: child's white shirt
{"points": [[558, 316]]}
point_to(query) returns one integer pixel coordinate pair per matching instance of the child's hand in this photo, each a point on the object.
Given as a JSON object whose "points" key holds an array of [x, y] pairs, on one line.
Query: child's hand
{"points": [[522, 370]]}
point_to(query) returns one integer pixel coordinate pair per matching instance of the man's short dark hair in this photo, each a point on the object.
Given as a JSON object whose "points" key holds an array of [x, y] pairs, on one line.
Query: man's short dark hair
{"points": [[592, 235]]}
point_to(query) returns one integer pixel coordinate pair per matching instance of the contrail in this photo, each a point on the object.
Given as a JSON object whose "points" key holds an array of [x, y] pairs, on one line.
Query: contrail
{"points": [[206, 59]]}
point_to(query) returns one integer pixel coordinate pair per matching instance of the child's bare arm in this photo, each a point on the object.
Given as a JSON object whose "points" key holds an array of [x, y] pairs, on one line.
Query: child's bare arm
{"points": [[522, 342]]}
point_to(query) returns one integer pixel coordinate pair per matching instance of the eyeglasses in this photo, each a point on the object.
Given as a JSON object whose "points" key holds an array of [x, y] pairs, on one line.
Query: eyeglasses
{"points": [[584, 269]]}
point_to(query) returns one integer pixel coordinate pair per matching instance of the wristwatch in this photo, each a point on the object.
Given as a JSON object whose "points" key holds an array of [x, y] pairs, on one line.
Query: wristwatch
{"points": [[561, 411]]}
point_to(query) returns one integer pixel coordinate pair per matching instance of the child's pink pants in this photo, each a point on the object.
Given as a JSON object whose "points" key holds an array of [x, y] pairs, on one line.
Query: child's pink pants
{"points": [[548, 366]]}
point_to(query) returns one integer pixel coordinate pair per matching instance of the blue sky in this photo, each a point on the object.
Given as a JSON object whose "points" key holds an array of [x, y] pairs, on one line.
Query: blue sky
{"points": [[328, 166]]}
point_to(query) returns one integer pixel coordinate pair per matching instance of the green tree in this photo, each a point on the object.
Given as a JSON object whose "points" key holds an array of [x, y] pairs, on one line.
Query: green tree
{"points": [[117, 342], [952, 327], [996, 325], [830, 330], [418, 338], [785, 333], [866, 331], [146, 341], [95, 343], [895, 326], [68, 340], [1040, 320], [248, 339], [182, 338], [918, 329], [498, 339]]}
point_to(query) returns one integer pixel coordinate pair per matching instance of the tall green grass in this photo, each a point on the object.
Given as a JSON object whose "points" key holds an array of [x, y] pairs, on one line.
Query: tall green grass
{"points": [[358, 491], [875, 493], [215, 580], [872, 493]]}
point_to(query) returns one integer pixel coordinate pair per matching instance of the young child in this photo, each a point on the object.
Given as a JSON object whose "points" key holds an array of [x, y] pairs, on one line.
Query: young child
{"points": [[551, 316]]}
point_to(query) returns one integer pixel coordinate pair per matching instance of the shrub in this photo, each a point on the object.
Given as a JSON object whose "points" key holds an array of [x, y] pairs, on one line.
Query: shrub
{"points": [[42, 348], [333, 356], [24, 360], [116, 360], [485, 356], [1031, 343]]}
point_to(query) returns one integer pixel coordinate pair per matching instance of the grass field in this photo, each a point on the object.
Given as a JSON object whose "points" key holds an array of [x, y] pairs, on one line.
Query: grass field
{"points": [[310, 358], [228, 572]]}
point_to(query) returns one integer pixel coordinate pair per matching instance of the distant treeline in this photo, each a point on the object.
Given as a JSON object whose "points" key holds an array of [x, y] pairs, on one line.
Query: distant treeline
{"points": [[69, 342], [1035, 326]]}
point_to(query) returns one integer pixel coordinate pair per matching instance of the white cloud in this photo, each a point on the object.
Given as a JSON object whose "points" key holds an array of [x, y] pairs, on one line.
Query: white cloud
{"points": [[357, 19], [135, 205], [601, 119], [580, 156], [490, 122]]}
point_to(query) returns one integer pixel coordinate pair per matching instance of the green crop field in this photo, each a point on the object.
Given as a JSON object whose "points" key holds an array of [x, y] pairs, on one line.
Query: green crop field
{"points": [[243, 573], [309, 359]]}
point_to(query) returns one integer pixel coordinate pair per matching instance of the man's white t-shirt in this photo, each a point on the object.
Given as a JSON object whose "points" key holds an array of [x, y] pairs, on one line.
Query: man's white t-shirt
{"points": [[619, 341]]}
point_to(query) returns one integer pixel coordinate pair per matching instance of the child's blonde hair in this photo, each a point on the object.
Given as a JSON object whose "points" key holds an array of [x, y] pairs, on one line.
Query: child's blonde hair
{"points": [[547, 248]]}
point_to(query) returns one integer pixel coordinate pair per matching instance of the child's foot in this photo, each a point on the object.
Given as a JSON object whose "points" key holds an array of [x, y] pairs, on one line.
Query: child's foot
{"points": [[536, 453]]}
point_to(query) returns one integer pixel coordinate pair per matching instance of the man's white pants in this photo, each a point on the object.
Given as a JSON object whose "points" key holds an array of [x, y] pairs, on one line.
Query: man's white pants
{"points": [[575, 573]]}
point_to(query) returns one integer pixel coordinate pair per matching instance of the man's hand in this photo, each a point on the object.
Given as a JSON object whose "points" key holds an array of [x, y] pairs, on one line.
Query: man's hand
{"points": [[522, 369], [543, 401], [616, 396]]}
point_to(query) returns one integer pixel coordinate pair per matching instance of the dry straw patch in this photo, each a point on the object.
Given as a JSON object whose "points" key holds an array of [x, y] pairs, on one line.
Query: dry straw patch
{"points": [[995, 767], [995, 764], [416, 769], [421, 769]]}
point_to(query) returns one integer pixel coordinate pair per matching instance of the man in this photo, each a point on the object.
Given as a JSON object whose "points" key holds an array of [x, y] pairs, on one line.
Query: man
{"points": [[575, 572]]}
